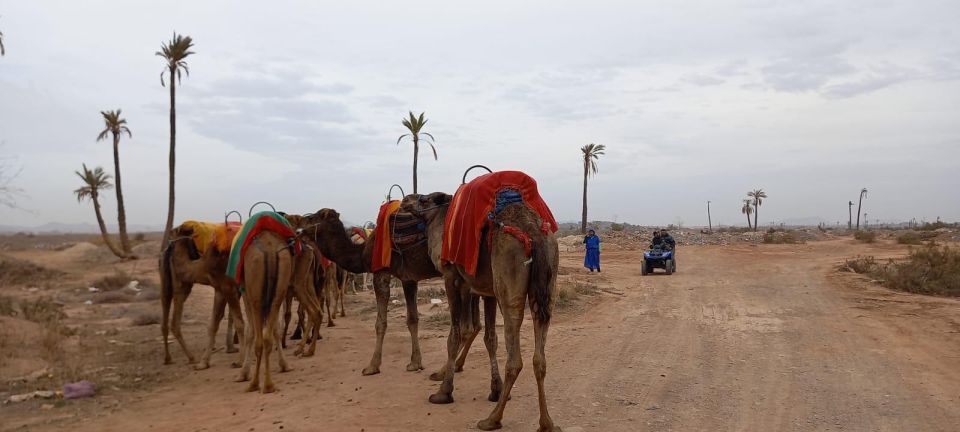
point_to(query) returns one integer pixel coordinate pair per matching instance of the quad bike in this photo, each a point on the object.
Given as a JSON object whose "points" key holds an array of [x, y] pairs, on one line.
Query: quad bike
{"points": [[658, 257]]}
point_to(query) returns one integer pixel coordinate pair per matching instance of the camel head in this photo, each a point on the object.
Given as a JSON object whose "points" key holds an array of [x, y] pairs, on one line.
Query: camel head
{"points": [[426, 206], [184, 232], [323, 220]]}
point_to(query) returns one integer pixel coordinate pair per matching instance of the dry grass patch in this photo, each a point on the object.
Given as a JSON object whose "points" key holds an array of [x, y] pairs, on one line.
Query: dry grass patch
{"points": [[146, 318], [16, 272]]}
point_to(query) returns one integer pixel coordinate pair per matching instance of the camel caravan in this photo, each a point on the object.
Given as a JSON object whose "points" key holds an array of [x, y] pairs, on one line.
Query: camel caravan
{"points": [[492, 241]]}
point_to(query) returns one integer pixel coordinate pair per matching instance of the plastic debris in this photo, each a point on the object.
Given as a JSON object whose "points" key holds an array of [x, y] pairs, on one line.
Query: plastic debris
{"points": [[79, 389]]}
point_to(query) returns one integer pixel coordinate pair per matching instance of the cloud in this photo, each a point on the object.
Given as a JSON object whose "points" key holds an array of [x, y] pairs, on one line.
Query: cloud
{"points": [[799, 74]]}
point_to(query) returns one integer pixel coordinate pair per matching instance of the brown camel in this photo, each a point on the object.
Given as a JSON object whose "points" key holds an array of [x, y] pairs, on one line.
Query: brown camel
{"points": [[506, 273], [270, 269], [182, 266], [410, 266]]}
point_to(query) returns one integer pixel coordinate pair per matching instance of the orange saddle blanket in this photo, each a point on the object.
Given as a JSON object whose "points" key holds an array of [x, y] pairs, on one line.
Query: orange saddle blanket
{"points": [[472, 205]]}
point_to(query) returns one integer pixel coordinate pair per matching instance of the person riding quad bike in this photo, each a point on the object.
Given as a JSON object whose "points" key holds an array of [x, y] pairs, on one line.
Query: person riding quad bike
{"points": [[667, 240]]}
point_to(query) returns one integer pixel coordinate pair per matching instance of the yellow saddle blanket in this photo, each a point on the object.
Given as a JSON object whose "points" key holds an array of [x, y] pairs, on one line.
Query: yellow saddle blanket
{"points": [[219, 234]]}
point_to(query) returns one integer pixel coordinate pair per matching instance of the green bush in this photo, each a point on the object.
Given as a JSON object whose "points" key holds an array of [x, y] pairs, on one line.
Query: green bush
{"points": [[616, 227], [909, 238], [931, 270]]}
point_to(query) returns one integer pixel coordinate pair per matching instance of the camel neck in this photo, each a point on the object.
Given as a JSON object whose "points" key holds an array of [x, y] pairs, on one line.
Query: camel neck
{"points": [[336, 245]]}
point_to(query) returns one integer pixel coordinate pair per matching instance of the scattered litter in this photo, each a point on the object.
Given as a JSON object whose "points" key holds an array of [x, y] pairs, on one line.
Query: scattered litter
{"points": [[93, 289], [88, 302], [46, 406], [436, 301], [395, 301], [134, 285], [42, 394], [79, 389], [33, 289]]}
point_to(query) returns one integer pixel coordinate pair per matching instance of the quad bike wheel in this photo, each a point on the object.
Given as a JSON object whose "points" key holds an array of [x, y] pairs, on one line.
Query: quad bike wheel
{"points": [[668, 266], [644, 268]]}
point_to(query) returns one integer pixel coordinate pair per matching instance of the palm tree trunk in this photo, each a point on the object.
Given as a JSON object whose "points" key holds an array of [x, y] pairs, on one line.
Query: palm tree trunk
{"points": [[709, 219], [416, 152], [748, 221], [121, 212], [103, 228], [850, 215], [859, 204], [173, 155], [756, 214], [586, 170]]}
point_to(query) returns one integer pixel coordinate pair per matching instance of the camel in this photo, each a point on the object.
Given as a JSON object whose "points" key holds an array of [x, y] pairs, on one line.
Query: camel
{"points": [[410, 266], [505, 273], [270, 270], [182, 266]]}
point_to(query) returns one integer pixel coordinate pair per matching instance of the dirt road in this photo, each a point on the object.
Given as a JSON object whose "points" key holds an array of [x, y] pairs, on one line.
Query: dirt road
{"points": [[753, 338]]}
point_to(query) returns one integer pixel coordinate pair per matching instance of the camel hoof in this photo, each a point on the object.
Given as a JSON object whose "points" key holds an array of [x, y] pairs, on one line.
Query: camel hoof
{"points": [[236, 365], [231, 350], [494, 396], [285, 368], [202, 366], [331, 324], [441, 398], [342, 314], [414, 367], [191, 360], [253, 387], [437, 376], [269, 388], [307, 354], [167, 361], [370, 370], [489, 425], [549, 429]]}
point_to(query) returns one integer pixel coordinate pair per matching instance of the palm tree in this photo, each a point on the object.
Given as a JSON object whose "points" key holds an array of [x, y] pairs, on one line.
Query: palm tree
{"points": [[116, 126], [3, 51], [758, 195], [95, 181], [591, 153], [850, 214], [414, 125], [174, 52], [747, 209], [863, 193]]}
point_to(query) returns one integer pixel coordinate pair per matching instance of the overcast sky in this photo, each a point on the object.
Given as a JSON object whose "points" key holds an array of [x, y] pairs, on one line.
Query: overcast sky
{"points": [[299, 103]]}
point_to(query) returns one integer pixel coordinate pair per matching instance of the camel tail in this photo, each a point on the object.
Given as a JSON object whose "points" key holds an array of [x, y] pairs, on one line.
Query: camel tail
{"points": [[269, 284], [541, 274]]}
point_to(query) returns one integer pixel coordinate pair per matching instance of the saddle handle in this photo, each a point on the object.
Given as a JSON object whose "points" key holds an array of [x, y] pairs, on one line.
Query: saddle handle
{"points": [[390, 191], [226, 217], [464, 180], [250, 213]]}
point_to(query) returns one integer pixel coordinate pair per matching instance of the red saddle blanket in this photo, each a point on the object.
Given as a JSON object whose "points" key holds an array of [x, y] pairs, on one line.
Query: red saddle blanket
{"points": [[382, 248], [469, 210]]}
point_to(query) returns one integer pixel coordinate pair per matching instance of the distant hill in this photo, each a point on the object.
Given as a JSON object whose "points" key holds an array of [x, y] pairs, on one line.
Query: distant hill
{"points": [[80, 228]]}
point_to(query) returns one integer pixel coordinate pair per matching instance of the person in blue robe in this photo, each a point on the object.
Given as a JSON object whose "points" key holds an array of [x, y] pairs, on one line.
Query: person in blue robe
{"points": [[592, 259]]}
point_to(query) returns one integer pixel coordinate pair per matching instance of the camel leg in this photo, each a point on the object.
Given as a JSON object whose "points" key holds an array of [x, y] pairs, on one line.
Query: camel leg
{"points": [[471, 334], [445, 394], [540, 370], [257, 328], [490, 340], [178, 300], [165, 302], [413, 320], [236, 320], [229, 340], [468, 334], [284, 366], [512, 311], [219, 304], [341, 287], [381, 287], [287, 315], [249, 339], [330, 296]]}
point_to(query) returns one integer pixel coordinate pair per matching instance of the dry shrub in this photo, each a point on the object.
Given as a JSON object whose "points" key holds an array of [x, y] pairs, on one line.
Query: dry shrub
{"points": [[773, 237], [41, 310], [929, 270], [14, 272], [431, 293], [734, 229], [568, 292], [442, 317], [909, 238], [110, 297], [862, 265], [865, 236], [146, 318], [119, 279], [7, 306], [149, 292]]}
